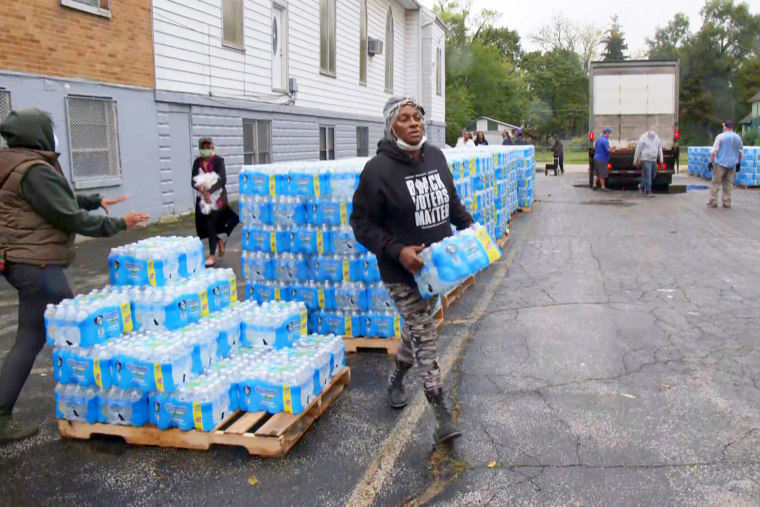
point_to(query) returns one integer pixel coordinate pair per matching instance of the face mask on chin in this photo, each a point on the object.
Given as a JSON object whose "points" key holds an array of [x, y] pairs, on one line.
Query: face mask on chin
{"points": [[406, 146]]}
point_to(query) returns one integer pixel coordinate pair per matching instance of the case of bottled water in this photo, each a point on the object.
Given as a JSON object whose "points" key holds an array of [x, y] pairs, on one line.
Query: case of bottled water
{"points": [[84, 366], [156, 261], [275, 324], [126, 407], [76, 403], [282, 384], [88, 320], [152, 362], [448, 262]]}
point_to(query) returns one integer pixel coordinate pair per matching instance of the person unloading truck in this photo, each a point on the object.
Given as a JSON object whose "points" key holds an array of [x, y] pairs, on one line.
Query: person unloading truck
{"points": [[406, 200]]}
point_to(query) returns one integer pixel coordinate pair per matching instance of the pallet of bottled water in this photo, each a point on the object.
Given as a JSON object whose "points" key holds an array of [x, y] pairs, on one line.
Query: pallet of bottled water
{"points": [[748, 174], [156, 261], [298, 244]]}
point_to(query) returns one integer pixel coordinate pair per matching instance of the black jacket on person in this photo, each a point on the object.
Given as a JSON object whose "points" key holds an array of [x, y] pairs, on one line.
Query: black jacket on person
{"points": [[484, 142], [558, 149], [402, 202], [224, 219]]}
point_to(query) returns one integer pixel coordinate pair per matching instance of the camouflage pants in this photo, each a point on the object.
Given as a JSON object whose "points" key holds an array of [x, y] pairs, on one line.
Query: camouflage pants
{"points": [[418, 337]]}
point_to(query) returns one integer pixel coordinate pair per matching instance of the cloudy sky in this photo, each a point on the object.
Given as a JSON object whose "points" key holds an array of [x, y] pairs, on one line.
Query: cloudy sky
{"points": [[638, 18]]}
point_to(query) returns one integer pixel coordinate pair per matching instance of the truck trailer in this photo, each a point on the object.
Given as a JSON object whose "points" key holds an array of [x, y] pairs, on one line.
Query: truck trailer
{"points": [[630, 96]]}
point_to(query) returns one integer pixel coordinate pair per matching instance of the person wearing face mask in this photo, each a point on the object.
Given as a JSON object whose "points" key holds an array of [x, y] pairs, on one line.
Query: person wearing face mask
{"points": [[219, 223], [406, 200], [39, 219], [648, 153]]}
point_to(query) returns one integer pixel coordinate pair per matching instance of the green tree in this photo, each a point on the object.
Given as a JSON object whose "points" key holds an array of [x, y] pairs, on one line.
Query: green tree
{"points": [[482, 78], [559, 93], [614, 42], [668, 40]]}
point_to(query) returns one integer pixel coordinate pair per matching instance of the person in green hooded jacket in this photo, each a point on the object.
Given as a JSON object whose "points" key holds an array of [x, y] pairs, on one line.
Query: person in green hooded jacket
{"points": [[40, 217]]}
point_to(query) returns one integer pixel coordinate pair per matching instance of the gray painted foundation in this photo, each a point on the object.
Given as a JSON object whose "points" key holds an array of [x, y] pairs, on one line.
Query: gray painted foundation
{"points": [[295, 136]]}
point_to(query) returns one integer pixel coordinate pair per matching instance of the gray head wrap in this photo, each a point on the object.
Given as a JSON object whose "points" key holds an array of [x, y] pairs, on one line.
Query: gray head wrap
{"points": [[392, 109]]}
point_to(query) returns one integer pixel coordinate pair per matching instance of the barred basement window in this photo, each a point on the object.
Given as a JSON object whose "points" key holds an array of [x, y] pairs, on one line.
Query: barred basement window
{"points": [[93, 139], [5, 110]]}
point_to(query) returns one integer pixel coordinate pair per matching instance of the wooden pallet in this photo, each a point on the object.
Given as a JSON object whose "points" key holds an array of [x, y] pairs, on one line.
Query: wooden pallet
{"points": [[745, 187], [502, 241], [390, 345], [526, 209], [457, 292], [261, 434]]}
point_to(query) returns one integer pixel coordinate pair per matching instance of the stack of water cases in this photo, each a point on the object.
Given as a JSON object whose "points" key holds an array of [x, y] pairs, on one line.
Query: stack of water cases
{"points": [[168, 344], [749, 169], [298, 244]]}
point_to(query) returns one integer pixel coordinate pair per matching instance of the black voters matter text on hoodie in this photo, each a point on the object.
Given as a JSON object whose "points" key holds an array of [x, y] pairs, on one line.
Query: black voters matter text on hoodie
{"points": [[402, 202]]}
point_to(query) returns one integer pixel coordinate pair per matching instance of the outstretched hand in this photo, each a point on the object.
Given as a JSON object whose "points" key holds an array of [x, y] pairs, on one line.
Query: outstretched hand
{"points": [[132, 219], [105, 202]]}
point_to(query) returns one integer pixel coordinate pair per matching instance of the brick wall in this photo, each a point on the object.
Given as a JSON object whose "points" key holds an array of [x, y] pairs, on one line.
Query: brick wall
{"points": [[44, 37]]}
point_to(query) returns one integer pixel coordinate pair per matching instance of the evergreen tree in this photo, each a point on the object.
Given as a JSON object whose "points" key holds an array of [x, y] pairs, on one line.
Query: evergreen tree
{"points": [[614, 42]]}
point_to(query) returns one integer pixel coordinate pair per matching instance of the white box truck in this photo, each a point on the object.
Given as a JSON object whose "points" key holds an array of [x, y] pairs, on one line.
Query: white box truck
{"points": [[629, 96]]}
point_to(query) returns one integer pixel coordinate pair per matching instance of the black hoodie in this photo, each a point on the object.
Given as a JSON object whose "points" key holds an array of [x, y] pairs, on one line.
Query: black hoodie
{"points": [[402, 202]]}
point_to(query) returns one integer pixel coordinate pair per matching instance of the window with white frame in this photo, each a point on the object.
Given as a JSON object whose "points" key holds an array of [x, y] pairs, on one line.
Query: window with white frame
{"points": [[327, 37], [97, 7], [363, 42], [5, 110], [232, 23], [389, 51], [326, 143], [257, 142], [93, 139], [439, 71], [362, 141]]}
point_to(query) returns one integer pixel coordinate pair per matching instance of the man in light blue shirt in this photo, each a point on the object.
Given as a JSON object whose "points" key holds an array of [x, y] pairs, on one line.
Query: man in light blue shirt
{"points": [[726, 155]]}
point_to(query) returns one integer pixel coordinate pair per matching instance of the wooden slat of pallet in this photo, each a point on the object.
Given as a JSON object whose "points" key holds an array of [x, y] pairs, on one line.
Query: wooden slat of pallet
{"points": [[391, 345], [745, 187], [457, 292], [267, 446], [502, 240], [526, 209], [245, 423]]}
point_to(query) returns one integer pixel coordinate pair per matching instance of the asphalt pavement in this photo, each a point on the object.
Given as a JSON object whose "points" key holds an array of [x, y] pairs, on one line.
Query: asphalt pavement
{"points": [[609, 358]]}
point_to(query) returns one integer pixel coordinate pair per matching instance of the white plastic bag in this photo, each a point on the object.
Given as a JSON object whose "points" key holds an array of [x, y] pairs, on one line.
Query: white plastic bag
{"points": [[208, 180]]}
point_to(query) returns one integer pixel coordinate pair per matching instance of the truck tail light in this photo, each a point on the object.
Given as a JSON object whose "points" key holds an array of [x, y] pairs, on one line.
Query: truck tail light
{"points": [[609, 165], [676, 135], [591, 135], [659, 166]]}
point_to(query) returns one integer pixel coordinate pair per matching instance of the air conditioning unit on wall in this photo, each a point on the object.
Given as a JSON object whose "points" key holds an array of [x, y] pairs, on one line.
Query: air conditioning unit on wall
{"points": [[374, 47]]}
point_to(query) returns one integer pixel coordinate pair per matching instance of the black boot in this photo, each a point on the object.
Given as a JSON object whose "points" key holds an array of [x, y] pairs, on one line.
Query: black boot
{"points": [[396, 395], [10, 431], [447, 429]]}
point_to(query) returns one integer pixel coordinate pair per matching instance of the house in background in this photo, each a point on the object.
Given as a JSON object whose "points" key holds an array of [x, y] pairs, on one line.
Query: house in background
{"points": [[491, 128], [277, 80], [89, 63], [132, 86], [752, 120]]}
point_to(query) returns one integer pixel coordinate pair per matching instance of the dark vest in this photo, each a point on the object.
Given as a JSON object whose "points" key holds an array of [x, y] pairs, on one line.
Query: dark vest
{"points": [[26, 237]]}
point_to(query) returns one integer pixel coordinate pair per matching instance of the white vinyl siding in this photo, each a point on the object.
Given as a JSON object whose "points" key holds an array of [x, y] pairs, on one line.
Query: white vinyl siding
{"points": [[190, 55]]}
